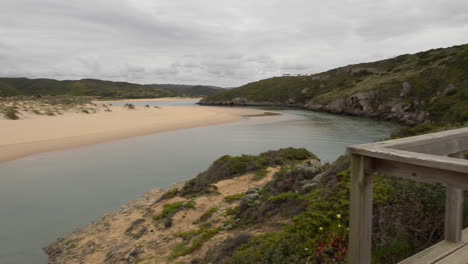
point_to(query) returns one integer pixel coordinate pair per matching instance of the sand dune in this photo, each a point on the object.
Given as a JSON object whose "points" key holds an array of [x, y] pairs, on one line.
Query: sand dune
{"points": [[35, 134]]}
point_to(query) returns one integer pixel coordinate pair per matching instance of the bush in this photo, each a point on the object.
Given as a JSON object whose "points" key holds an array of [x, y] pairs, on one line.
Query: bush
{"points": [[169, 194], [169, 210], [199, 238], [206, 215], [319, 233], [228, 167], [129, 106], [234, 197], [11, 113], [227, 248]]}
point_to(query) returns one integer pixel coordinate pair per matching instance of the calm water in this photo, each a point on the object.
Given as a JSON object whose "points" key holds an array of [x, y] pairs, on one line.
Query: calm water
{"points": [[49, 195]]}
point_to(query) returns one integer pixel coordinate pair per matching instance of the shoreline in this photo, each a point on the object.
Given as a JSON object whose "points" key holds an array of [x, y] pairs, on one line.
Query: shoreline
{"points": [[39, 134], [162, 99]]}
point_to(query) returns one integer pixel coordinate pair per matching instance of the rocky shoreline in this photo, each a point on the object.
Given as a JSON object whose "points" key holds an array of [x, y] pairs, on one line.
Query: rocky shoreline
{"points": [[365, 104]]}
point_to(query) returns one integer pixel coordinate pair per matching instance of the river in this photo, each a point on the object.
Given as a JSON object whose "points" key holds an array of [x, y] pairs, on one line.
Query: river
{"points": [[45, 196]]}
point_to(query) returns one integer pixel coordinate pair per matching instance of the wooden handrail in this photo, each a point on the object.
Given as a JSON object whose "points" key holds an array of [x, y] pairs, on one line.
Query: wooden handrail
{"points": [[418, 158]]}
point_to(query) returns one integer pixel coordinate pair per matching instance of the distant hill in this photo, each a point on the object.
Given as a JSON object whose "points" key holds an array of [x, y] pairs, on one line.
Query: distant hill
{"points": [[99, 88], [189, 90], [84, 87], [430, 86]]}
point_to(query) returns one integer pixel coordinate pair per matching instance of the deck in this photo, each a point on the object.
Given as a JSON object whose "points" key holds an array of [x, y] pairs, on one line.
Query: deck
{"points": [[443, 253], [437, 158]]}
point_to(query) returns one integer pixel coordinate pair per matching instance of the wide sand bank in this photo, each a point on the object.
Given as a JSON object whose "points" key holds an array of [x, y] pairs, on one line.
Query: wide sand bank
{"points": [[34, 134]]}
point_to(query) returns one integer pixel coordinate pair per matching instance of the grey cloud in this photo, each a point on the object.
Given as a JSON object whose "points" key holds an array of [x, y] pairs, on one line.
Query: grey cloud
{"points": [[219, 42]]}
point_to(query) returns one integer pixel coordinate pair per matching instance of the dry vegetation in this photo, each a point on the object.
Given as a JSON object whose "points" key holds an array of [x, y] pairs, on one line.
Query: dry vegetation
{"points": [[15, 108], [23, 107]]}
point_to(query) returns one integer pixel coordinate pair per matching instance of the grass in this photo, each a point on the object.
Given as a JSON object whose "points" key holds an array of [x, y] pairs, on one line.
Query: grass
{"points": [[193, 242], [45, 105], [136, 229], [232, 210], [284, 197], [258, 175], [206, 215], [11, 113], [169, 210], [234, 197], [169, 194]]}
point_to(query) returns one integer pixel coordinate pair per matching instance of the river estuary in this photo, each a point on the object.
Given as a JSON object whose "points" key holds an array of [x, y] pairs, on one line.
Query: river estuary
{"points": [[43, 197]]}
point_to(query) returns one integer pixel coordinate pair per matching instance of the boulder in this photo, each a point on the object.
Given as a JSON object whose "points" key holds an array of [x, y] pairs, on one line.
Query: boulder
{"points": [[406, 89]]}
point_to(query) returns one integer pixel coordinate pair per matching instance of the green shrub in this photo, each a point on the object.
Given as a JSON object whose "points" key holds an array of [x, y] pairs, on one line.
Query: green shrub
{"points": [[232, 210], [228, 167], [258, 175], [284, 197], [193, 242], [319, 232], [169, 210], [169, 194], [234, 197], [206, 215]]}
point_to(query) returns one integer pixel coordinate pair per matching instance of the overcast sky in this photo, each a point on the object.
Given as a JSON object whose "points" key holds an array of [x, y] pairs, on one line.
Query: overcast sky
{"points": [[219, 42]]}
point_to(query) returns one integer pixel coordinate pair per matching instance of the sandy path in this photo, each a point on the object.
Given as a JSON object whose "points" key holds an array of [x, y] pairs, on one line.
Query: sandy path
{"points": [[35, 134]]}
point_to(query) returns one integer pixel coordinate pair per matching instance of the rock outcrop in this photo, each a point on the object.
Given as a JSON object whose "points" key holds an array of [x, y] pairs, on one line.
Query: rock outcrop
{"points": [[366, 104]]}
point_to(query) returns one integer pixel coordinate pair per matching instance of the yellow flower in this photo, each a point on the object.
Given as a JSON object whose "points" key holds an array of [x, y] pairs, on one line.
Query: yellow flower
{"points": [[339, 226], [321, 228], [338, 216]]}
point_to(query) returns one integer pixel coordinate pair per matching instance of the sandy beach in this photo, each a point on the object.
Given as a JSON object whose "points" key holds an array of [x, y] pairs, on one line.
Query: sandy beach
{"points": [[35, 134], [163, 99]]}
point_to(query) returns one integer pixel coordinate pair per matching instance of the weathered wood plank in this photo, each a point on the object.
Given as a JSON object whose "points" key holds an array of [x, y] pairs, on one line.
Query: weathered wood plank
{"points": [[421, 139], [454, 214], [459, 155], [421, 173], [438, 252], [439, 147], [361, 211], [458, 257], [421, 159]]}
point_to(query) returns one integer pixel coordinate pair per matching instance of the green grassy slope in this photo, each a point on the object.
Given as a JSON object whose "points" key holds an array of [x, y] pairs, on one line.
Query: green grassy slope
{"points": [[99, 88], [84, 87], [189, 90], [433, 82]]}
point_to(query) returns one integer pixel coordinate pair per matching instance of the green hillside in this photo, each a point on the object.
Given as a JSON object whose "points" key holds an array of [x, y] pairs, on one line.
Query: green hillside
{"points": [[189, 90], [430, 85], [84, 87], [99, 88]]}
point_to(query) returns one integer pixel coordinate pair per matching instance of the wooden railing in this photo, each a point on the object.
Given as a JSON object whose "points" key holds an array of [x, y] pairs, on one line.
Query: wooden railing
{"points": [[437, 158]]}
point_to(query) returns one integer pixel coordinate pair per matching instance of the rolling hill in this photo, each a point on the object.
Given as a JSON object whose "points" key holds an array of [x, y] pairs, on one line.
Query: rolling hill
{"points": [[430, 86], [99, 88]]}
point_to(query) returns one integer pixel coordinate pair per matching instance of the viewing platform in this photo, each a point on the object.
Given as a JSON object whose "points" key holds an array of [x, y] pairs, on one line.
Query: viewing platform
{"points": [[437, 158]]}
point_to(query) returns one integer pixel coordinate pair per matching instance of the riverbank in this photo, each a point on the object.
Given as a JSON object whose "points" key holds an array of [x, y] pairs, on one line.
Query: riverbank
{"points": [[35, 134], [163, 99], [183, 223]]}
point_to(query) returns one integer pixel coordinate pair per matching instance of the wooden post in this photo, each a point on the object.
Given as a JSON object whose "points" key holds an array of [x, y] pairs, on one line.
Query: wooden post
{"points": [[360, 213], [454, 214]]}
